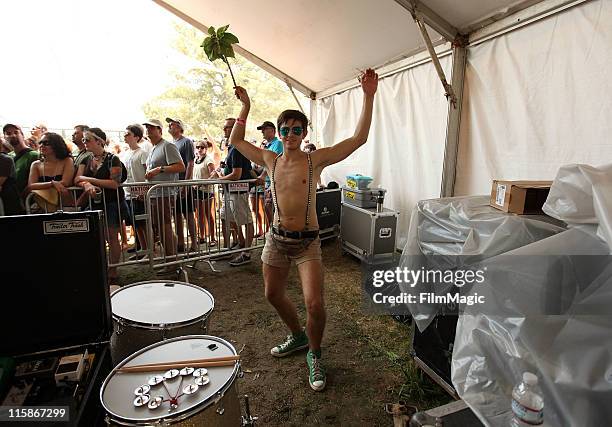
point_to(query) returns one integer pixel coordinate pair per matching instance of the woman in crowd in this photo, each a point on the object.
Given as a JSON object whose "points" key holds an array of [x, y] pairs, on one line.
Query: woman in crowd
{"points": [[204, 168], [53, 172], [100, 176]]}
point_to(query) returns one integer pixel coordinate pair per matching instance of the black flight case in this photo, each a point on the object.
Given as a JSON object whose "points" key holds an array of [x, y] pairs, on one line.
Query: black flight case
{"points": [[56, 303]]}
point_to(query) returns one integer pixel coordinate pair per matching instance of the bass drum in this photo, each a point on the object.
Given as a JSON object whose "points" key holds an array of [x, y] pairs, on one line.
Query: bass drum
{"points": [[200, 399], [148, 312]]}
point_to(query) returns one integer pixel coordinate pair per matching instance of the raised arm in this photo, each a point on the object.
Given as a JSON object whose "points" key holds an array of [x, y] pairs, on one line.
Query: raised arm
{"points": [[328, 156], [248, 150]]}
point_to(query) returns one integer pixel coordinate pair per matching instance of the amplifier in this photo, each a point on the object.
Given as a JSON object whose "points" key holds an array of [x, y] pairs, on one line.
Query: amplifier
{"points": [[328, 212], [56, 304], [432, 350]]}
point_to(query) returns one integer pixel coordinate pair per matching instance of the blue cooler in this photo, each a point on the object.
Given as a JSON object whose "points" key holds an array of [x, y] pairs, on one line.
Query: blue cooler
{"points": [[358, 182]]}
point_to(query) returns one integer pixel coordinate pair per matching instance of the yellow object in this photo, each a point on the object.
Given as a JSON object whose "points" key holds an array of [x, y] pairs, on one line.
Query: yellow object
{"points": [[47, 199]]}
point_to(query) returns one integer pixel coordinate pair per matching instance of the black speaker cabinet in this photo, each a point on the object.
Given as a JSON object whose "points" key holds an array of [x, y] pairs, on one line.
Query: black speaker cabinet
{"points": [[328, 212], [56, 302], [432, 350]]}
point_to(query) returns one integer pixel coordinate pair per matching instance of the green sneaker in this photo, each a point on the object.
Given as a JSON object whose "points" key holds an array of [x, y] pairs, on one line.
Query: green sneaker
{"points": [[292, 344], [316, 372]]}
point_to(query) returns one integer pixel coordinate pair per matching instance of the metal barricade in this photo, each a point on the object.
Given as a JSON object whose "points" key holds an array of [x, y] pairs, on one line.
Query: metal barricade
{"points": [[217, 204], [173, 224]]}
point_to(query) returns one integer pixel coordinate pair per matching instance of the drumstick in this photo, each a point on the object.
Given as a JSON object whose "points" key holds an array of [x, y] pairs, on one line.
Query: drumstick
{"points": [[188, 362], [166, 366]]}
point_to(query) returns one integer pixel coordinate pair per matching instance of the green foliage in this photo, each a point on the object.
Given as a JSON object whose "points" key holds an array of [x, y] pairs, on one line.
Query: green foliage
{"points": [[202, 98], [218, 45]]}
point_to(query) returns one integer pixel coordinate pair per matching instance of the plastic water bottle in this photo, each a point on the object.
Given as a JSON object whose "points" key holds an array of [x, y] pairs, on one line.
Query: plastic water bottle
{"points": [[527, 403]]}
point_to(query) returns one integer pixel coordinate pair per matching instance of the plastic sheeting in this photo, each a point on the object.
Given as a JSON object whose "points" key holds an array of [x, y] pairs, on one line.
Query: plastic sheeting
{"points": [[461, 232], [405, 147], [538, 98], [548, 312]]}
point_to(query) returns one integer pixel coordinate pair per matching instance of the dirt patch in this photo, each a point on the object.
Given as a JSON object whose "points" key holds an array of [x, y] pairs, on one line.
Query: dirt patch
{"points": [[366, 356]]}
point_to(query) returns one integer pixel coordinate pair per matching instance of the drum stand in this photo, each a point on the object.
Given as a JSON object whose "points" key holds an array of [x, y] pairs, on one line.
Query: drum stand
{"points": [[210, 264], [248, 420]]}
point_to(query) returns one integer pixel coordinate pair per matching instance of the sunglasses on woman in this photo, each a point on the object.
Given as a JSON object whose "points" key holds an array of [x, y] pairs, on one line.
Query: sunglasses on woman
{"points": [[297, 130], [200, 147]]}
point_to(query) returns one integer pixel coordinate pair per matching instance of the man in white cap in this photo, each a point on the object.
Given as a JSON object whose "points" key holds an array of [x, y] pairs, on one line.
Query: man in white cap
{"points": [[164, 163], [184, 201]]}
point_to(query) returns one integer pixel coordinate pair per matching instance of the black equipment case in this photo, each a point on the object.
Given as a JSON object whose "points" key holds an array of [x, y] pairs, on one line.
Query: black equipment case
{"points": [[56, 303], [328, 212], [432, 350]]}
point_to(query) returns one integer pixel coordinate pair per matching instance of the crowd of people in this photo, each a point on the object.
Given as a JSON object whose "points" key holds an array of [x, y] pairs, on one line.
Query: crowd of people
{"points": [[284, 203], [90, 173]]}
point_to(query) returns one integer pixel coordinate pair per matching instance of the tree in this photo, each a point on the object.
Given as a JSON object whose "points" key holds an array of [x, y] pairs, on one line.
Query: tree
{"points": [[203, 97]]}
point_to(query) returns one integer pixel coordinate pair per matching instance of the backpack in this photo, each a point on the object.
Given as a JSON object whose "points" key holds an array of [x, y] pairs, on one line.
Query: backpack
{"points": [[124, 172]]}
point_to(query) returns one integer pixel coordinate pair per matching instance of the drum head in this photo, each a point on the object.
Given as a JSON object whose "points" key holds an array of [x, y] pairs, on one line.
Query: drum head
{"points": [[161, 303], [120, 390]]}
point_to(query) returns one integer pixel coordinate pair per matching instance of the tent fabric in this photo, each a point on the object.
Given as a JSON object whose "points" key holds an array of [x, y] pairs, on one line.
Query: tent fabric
{"points": [[318, 43], [405, 148], [536, 99]]}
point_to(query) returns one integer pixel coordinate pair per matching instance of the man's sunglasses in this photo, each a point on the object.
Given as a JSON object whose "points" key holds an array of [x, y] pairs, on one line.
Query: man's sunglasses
{"points": [[297, 130]]}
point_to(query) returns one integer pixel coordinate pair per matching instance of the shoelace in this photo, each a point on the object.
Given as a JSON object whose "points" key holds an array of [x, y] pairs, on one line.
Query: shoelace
{"points": [[317, 371], [287, 342]]}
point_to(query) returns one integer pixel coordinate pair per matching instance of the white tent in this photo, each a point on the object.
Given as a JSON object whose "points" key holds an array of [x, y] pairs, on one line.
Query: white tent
{"points": [[532, 79]]}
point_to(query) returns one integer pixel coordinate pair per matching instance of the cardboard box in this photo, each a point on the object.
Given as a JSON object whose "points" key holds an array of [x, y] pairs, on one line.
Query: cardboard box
{"points": [[519, 197]]}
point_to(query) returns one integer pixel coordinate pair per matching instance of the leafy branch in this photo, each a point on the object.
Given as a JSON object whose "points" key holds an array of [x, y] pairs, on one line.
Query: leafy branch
{"points": [[218, 45]]}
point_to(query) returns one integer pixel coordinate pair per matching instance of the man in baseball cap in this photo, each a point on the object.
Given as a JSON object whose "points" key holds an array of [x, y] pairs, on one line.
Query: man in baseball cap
{"points": [[23, 156], [154, 122], [272, 143], [177, 121], [11, 125], [184, 201], [266, 124]]}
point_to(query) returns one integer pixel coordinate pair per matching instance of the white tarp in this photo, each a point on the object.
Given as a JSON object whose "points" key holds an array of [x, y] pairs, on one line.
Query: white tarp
{"points": [[538, 98], [547, 312], [460, 232], [405, 147]]}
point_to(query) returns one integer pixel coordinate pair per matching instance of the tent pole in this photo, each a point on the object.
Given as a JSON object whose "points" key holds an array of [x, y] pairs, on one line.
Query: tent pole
{"points": [[431, 18], [297, 101], [449, 170], [314, 125], [449, 93]]}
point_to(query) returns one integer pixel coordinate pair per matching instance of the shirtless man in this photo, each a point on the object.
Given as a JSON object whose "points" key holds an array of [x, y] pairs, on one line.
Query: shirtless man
{"points": [[294, 235]]}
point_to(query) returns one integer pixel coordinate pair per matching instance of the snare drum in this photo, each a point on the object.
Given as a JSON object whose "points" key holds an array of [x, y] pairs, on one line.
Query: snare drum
{"points": [[148, 312], [206, 397]]}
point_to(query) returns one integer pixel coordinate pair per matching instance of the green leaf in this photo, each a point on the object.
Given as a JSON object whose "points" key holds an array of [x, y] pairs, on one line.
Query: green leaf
{"points": [[230, 38], [228, 52], [218, 45], [208, 52]]}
